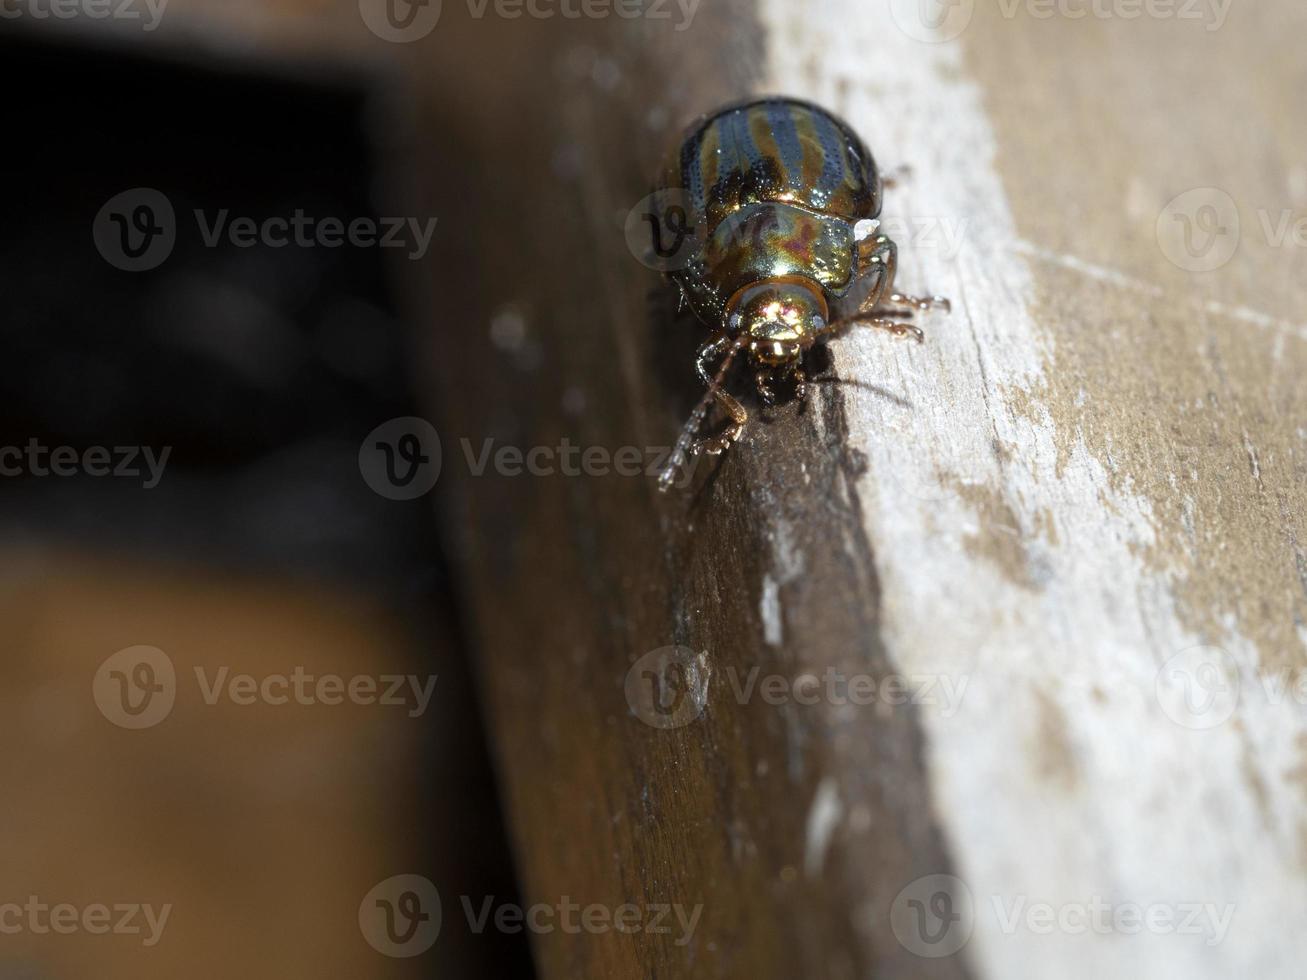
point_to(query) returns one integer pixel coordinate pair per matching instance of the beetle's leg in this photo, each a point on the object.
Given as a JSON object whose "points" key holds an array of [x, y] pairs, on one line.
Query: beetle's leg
{"points": [[879, 257], [763, 379], [877, 252], [918, 304], [716, 346], [800, 383], [720, 443], [896, 327], [882, 301], [722, 344]]}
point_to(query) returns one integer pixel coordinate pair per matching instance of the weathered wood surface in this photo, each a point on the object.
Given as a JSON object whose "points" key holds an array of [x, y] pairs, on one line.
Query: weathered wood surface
{"points": [[1095, 465]]}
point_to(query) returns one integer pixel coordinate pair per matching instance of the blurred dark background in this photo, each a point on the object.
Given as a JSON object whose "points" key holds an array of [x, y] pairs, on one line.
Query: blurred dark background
{"points": [[258, 546]]}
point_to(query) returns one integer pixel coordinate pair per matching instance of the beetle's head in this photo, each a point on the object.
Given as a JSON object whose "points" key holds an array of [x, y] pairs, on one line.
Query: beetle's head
{"points": [[779, 319]]}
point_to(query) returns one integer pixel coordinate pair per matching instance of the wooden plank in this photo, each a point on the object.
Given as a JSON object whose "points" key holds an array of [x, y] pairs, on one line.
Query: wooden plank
{"points": [[251, 832], [1131, 487], [574, 580], [1093, 467]]}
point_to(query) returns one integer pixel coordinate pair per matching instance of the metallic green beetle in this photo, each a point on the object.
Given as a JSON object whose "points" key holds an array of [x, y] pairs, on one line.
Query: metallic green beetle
{"points": [[782, 199]]}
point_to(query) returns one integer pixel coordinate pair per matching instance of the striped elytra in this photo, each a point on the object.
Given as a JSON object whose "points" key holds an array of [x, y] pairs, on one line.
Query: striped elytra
{"points": [[779, 150]]}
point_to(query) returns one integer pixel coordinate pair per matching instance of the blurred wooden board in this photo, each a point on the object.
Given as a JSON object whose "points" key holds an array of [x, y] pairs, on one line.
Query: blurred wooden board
{"points": [[252, 830], [255, 374]]}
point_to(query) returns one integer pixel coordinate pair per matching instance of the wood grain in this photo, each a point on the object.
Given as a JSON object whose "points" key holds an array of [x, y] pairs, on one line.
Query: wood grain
{"points": [[1103, 473], [1093, 467]]}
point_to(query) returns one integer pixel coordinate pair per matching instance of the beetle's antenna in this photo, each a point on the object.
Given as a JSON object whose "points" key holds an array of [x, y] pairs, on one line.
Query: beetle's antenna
{"points": [[677, 459]]}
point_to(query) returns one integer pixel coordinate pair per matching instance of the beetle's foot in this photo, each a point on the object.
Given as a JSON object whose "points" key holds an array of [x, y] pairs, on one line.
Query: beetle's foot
{"points": [[719, 444], [898, 328], [919, 304], [800, 384], [763, 380]]}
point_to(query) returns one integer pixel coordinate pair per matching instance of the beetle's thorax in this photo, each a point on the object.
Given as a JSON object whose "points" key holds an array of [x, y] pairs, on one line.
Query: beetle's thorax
{"points": [[781, 318]]}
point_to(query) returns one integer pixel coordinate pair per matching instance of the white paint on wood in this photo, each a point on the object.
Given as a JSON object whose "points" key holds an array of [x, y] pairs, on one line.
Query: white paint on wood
{"points": [[1061, 780], [770, 611], [823, 817]]}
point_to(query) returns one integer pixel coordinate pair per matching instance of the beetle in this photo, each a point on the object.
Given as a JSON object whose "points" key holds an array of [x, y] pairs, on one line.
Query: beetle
{"points": [[783, 199]]}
